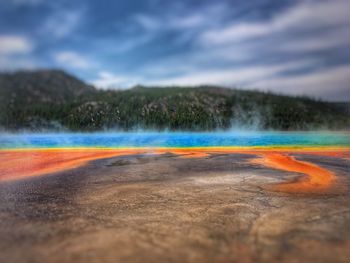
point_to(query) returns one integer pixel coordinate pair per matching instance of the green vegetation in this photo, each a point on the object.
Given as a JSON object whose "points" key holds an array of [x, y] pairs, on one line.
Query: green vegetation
{"points": [[55, 100]]}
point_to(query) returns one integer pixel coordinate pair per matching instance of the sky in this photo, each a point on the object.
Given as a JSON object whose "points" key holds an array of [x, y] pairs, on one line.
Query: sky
{"points": [[297, 47]]}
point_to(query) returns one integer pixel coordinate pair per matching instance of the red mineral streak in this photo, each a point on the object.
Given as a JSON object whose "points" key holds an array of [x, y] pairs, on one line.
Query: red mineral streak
{"points": [[315, 179], [16, 164], [24, 163]]}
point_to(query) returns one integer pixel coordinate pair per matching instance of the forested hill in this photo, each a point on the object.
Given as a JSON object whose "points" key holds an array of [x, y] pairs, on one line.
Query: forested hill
{"points": [[55, 100]]}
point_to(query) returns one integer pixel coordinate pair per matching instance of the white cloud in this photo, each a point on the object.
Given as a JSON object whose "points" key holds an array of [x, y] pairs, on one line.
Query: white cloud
{"points": [[12, 45], [190, 21], [16, 53], [327, 40], [304, 28], [63, 23], [147, 22], [72, 59], [329, 83], [232, 56], [152, 25], [309, 15], [176, 20], [233, 33], [129, 44], [107, 80], [242, 76]]}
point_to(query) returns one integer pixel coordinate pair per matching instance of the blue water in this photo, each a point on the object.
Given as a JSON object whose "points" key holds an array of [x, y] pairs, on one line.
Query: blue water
{"points": [[153, 139]]}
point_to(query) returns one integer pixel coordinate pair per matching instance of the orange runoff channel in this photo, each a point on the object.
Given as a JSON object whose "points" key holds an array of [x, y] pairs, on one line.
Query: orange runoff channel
{"points": [[24, 163]]}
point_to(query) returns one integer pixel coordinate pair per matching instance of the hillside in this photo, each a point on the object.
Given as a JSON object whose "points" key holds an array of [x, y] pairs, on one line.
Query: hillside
{"points": [[51, 100]]}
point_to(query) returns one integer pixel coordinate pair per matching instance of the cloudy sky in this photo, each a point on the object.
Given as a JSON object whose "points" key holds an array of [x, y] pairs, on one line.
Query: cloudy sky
{"points": [[288, 46]]}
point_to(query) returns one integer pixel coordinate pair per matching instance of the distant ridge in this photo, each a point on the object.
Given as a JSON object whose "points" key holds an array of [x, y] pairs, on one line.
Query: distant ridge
{"points": [[54, 86], [56, 100]]}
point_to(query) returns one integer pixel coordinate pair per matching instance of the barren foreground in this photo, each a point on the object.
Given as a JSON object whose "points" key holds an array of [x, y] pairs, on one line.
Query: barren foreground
{"points": [[220, 207]]}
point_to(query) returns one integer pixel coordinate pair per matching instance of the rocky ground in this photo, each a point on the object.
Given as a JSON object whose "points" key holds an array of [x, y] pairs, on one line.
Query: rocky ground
{"points": [[164, 208]]}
